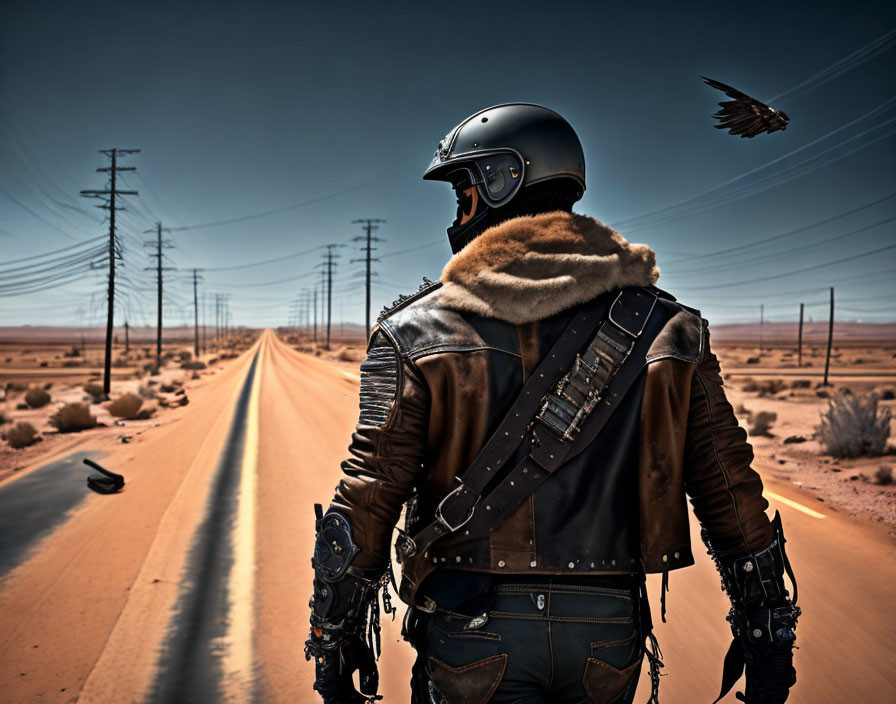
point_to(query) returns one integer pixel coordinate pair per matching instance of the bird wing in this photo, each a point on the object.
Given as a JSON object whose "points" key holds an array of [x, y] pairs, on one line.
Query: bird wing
{"points": [[726, 89], [743, 115]]}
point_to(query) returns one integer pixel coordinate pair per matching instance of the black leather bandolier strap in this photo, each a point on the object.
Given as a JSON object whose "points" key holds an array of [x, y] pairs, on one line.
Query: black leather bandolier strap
{"points": [[561, 408]]}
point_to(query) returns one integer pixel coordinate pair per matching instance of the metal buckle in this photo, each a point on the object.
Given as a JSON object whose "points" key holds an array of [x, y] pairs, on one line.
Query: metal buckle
{"points": [[624, 329], [441, 519], [405, 547]]}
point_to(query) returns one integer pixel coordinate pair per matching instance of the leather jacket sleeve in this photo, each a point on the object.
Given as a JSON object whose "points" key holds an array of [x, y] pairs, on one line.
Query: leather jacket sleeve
{"points": [[725, 491], [386, 451]]}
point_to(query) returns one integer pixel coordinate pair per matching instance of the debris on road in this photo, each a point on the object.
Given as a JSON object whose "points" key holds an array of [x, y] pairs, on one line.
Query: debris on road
{"points": [[108, 483]]}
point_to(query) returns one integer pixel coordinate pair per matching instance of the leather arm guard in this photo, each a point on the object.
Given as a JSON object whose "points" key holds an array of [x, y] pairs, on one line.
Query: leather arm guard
{"points": [[345, 632], [762, 617]]}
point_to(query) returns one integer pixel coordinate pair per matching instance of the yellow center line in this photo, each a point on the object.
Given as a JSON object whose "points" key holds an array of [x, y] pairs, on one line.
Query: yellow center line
{"points": [[239, 654], [793, 504]]}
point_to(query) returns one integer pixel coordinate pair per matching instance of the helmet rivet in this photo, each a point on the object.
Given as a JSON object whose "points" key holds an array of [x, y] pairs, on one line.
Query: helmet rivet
{"points": [[485, 119]]}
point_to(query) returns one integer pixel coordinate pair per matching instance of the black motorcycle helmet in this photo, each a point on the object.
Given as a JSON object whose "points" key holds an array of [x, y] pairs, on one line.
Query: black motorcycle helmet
{"points": [[519, 158]]}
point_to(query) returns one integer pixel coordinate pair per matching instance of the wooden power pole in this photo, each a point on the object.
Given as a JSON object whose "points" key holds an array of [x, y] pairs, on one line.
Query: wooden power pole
{"points": [[370, 224], [799, 340], [109, 194], [827, 359], [160, 245], [196, 313]]}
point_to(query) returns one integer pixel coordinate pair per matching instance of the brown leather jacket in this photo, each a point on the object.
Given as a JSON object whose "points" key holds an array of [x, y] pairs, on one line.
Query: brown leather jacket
{"points": [[444, 366]]}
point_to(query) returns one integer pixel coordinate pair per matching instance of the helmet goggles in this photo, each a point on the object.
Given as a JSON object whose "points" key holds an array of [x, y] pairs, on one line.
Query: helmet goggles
{"points": [[497, 176]]}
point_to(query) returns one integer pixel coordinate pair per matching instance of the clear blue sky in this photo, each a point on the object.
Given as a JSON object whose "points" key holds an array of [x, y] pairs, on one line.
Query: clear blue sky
{"points": [[243, 108]]}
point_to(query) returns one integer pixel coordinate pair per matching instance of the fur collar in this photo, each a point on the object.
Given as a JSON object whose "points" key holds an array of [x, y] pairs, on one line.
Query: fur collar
{"points": [[532, 267]]}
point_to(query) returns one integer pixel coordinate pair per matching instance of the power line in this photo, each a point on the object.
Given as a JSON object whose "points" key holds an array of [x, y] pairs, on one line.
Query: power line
{"points": [[311, 201], [784, 235], [273, 260], [794, 272], [883, 43], [780, 253]]}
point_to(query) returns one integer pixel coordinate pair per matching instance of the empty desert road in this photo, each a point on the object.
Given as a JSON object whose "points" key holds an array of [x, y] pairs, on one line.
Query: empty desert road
{"points": [[192, 584]]}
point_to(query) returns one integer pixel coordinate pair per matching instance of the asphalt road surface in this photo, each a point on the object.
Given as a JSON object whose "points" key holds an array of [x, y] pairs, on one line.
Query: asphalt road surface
{"points": [[192, 584]]}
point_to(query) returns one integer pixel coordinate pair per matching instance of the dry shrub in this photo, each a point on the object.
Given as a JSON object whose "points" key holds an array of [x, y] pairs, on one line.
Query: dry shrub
{"points": [[37, 398], [854, 425], [752, 360], [801, 384], [765, 386], [761, 423], [887, 395], [72, 418], [3, 419], [883, 475], [16, 386], [95, 391], [126, 406], [192, 365], [146, 391], [22, 434], [742, 410], [347, 354]]}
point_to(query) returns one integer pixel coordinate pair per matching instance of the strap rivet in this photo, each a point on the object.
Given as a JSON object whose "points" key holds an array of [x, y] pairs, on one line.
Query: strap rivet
{"points": [[500, 563], [572, 565]]}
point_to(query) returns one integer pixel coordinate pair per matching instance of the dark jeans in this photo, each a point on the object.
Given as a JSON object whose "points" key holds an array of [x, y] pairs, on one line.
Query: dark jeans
{"points": [[540, 641]]}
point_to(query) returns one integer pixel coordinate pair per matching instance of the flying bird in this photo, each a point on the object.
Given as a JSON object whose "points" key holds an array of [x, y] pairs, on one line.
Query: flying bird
{"points": [[746, 116]]}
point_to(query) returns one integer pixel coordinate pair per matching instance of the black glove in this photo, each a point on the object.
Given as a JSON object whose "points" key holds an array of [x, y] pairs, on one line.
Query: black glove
{"points": [[344, 615], [334, 668], [763, 618], [770, 673]]}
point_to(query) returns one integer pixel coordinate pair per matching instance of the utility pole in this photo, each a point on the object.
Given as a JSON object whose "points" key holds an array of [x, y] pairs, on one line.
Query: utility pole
{"points": [[329, 263], [127, 339], [761, 321], [799, 344], [204, 318], [195, 313], [109, 195], [827, 360], [314, 309], [369, 225], [160, 245], [217, 319]]}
